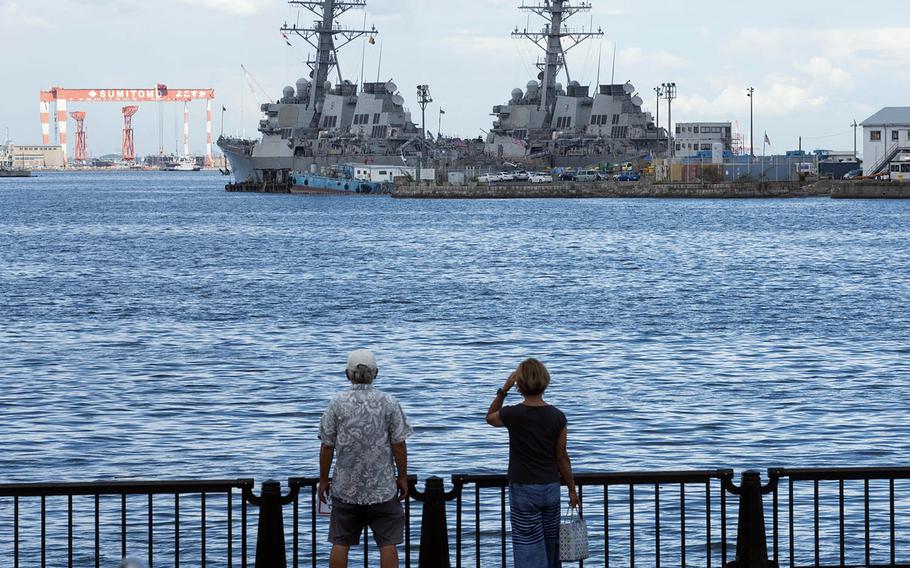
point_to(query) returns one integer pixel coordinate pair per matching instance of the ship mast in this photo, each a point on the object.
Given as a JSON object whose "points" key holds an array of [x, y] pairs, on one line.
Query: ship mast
{"points": [[322, 36], [551, 41]]}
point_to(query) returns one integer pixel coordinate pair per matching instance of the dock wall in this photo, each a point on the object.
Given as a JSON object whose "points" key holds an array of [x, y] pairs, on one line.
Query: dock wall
{"points": [[610, 190]]}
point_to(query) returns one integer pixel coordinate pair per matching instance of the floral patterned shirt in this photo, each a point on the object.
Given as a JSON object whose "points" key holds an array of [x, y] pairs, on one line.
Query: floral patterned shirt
{"points": [[362, 424]]}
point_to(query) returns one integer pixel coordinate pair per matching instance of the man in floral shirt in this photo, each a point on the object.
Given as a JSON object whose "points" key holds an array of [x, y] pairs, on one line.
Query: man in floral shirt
{"points": [[365, 429]]}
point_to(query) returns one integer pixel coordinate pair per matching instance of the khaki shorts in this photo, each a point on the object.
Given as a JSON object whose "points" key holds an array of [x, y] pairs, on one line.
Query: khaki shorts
{"points": [[386, 521]]}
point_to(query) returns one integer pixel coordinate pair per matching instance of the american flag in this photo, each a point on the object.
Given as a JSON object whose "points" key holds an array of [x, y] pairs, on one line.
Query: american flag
{"points": [[767, 140]]}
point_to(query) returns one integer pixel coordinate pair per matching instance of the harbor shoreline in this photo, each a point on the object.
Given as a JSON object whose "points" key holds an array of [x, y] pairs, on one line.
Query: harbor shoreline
{"points": [[632, 190]]}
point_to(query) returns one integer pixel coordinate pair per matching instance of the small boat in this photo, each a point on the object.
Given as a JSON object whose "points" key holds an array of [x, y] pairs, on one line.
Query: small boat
{"points": [[313, 184], [184, 164]]}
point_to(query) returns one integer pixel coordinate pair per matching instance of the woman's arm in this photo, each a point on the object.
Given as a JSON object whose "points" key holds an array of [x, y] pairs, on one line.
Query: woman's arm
{"points": [[493, 418], [565, 466]]}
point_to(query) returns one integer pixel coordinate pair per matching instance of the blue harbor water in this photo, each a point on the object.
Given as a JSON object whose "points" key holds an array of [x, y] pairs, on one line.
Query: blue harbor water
{"points": [[154, 326]]}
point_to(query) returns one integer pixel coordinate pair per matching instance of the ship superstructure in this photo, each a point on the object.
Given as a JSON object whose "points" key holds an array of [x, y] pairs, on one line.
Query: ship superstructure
{"points": [[318, 123], [568, 125]]}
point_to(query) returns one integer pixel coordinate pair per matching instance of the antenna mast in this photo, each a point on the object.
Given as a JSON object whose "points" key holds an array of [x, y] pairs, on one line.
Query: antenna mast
{"points": [[550, 40], [322, 36]]}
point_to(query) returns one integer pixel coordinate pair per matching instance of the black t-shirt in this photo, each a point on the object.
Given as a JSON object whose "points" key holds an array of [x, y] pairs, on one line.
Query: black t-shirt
{"points": [[533, 434]]}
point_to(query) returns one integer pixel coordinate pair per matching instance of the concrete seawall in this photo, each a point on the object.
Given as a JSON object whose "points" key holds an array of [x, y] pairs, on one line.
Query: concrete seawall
{"points": [[611, 190], [870, 190]]}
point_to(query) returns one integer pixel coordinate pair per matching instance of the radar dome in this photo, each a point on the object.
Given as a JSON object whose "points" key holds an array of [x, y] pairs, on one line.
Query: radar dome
{"points": [[288, 92], [328, 85], [302, 86], [559, 89], [517, 94], [533, 86], [575, 84]]}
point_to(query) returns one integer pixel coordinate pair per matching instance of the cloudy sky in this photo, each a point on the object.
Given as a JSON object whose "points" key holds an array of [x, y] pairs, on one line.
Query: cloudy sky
{"points": [[815, 66]]}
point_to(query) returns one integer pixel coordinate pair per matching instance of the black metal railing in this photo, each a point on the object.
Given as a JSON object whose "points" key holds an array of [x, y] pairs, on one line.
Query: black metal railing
{"points": [[852, 513], [819, 517], [640, 517], [307, 533], [73, 522]]}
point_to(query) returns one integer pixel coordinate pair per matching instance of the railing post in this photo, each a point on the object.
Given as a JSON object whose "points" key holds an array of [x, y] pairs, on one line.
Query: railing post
{"points": [[751, 537], [270, 550], [434, 531]]}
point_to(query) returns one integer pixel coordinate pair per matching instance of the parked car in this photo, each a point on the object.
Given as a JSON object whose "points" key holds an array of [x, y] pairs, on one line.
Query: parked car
{"points": [[521, 176], [586, 176], [853, 174], [488, 178], [567, 176], [628, 176], [506, 176], [540, 178]]}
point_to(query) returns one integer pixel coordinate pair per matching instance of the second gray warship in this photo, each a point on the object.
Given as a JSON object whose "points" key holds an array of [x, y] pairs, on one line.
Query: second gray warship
{"points": [[568, 126]]}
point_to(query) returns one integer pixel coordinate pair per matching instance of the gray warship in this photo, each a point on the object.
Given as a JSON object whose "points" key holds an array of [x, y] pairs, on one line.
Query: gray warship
{"points": [[569, 126], [317, 124]]}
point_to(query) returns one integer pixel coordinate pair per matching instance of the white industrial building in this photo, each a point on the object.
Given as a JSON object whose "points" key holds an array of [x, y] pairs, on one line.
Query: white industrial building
{"points": [[695, 137], [886, 139]]}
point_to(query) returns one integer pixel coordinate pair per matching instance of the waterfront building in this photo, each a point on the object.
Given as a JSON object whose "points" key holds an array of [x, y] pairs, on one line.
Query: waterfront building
{"points": [[37, 157], [886, 134], [695, 137]]}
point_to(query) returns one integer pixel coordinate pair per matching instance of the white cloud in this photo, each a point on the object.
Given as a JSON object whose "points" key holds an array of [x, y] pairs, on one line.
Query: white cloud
{"points": [[240, 7], [12, 13], [658, 59], [821, 70], [777, 97]]}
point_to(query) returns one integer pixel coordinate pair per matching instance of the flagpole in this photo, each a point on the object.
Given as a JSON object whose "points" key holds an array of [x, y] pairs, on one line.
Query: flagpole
{"points": [[439, 130], [379, 68]]}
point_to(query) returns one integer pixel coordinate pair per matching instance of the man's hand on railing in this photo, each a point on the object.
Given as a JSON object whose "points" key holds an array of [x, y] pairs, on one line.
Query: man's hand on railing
{"points": [[402, 488], [325, 487]]}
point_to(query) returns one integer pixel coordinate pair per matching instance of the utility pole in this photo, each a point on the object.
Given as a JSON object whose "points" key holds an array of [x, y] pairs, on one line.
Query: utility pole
{"points": [[423, 99], [751, 94], [670, 95], [855, 154], [659, 92]]}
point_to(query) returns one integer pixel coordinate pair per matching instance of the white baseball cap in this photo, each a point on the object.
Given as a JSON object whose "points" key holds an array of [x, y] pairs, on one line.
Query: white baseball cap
{"points": [[361, 357]]}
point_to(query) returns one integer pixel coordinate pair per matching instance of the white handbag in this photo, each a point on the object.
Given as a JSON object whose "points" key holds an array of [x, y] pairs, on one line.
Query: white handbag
{"points": [[573, 538]]}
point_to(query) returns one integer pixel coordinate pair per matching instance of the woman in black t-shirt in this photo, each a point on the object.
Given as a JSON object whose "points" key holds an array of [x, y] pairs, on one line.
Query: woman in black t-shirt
{"points": [[538, 458]]}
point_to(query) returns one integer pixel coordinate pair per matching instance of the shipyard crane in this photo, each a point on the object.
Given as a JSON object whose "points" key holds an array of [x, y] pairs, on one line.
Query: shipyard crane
{"points": [[550, 40], [81, 155], [157, 94], [128, 152]]}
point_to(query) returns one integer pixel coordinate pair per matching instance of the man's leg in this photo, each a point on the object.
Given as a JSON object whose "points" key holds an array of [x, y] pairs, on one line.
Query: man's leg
{"points": [[339, 556], [387, 522], [388, 556]]}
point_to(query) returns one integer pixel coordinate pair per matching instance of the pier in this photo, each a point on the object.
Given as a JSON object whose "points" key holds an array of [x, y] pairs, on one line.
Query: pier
{"points": [[643, 189], [796, 517]]}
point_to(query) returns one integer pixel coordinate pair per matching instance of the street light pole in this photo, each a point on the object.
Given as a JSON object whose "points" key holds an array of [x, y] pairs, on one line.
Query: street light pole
{"points": [[751, 94], [855, 154], [670, 94], [659, 92]]}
